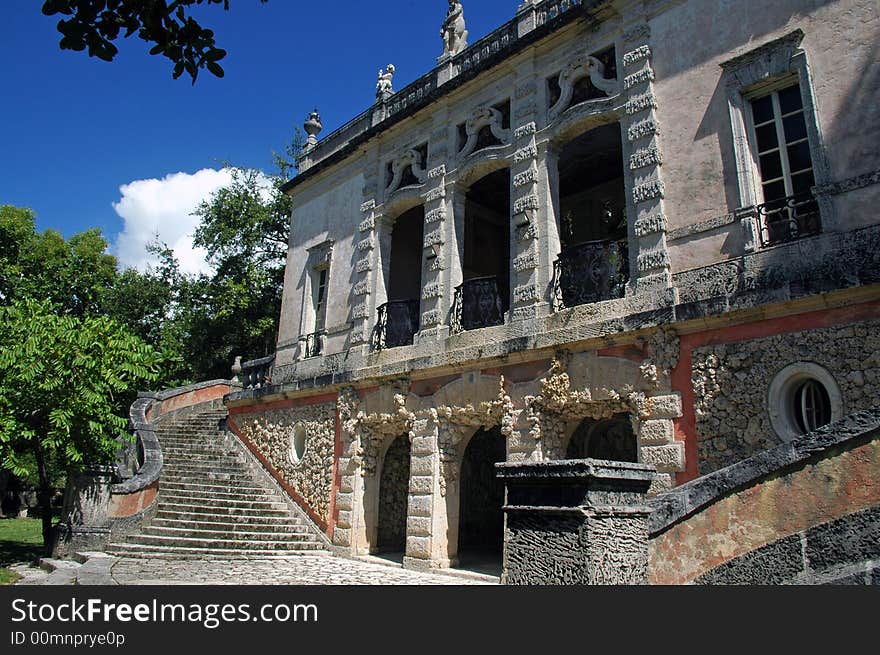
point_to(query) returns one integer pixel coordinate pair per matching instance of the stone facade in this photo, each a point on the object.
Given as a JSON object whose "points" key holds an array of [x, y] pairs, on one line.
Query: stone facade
{"points": [[312, 476], [595, 248], [731, 383]]}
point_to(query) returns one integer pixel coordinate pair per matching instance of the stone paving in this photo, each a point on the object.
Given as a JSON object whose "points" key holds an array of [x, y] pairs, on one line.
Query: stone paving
{"points": [[298, 570]]}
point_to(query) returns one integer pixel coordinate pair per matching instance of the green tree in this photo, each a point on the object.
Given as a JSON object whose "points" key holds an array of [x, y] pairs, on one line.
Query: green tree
{"points": [[65, 385], [96, 24], [244, 227], [72, 274]]}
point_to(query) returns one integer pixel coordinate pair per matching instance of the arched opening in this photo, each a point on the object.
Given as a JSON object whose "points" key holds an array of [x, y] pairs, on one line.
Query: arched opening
{"points": [[611, 438], [398, 319], [593, 264], [483, 297], [393, 497], [481, 517]]}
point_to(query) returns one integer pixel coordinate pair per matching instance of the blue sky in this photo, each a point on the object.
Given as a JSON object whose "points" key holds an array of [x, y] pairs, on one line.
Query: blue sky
{"points": [[78, 135]]}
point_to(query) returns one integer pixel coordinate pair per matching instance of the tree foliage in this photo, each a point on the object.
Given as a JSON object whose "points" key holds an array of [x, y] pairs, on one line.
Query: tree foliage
{"points": [[95, 24], [65, 383], [72, 274], [244, 227]]}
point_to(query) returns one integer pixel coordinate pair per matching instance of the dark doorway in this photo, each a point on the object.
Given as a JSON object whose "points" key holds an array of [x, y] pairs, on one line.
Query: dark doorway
{"points": [[398, 319], [593, 262], [393, 497], [481, 523], [611, 438], [484, 293]]}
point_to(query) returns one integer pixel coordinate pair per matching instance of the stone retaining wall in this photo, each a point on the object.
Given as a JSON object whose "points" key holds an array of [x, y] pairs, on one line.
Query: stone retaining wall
{"points": [[731, 383], [270, 433]]}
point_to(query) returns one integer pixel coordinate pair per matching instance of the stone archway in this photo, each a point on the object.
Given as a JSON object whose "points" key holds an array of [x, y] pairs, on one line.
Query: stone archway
{"points": [[481, 498], [611, 438], [393, 497]]}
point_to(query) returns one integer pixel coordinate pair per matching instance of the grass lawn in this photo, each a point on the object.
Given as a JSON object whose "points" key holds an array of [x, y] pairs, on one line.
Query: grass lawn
{"points": [[21, 540]]}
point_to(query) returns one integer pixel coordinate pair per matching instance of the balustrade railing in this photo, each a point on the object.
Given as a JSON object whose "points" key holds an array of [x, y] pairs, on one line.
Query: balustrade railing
{"points": [[397, 324], [257, 372], [787, 219], [479, 302], [589, 272], [312, 344]]}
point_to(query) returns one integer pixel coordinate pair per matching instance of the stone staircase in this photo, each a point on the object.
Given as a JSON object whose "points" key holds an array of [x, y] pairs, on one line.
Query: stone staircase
{"points": [[210, 503]]}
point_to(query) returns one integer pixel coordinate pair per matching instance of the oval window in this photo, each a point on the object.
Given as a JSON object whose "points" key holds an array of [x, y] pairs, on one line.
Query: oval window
{"points": [[811, 405], [297, 443]]}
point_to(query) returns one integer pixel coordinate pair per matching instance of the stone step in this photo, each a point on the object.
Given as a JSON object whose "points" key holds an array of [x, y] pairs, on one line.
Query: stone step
{"points": [[290, 542], [233, 494], [186, 468], [265, 524], [170, 552], [212, 477], [208, 489], [199, 453], [222, 504], [246, 502], [294, 533], [222, 517]]}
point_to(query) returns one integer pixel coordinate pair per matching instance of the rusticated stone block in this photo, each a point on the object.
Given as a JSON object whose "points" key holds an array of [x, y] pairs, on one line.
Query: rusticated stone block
{"points": [[421, 484], [418, 526], [420, 505], [656, 432], [663, 406], [667, 459], [419, 547]]}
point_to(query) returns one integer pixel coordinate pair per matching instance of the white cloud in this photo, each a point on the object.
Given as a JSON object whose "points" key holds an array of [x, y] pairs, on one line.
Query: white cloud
{"points": [[165, 207]]}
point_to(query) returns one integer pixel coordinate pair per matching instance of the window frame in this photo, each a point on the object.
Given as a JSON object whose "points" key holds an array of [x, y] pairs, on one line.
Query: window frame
{"points": [[771, 67]]}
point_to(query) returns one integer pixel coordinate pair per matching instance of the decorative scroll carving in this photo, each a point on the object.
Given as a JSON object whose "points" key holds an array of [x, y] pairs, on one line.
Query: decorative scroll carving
{"points": [[480, 118], [411, 159], [582, 66]]}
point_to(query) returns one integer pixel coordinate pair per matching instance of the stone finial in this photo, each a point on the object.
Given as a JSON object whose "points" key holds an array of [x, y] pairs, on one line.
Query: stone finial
{"points": [[312, 127], [454, 33], [383, 86], [236, 366]]}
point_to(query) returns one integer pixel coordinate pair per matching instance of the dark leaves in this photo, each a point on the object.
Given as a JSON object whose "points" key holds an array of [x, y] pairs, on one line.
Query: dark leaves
{"points": [[94, 24]]}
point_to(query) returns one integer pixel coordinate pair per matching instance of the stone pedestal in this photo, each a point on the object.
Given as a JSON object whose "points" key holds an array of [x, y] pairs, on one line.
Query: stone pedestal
{"points": [[85, 524], [576, 522]]}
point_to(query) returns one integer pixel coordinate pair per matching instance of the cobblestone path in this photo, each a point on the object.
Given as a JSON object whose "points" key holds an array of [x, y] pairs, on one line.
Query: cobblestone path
{"points": [[297, 570]]}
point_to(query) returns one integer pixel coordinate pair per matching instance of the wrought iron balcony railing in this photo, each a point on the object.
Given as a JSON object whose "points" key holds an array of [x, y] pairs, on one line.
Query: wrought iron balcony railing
{"points": [[787, 219], [589, 272], [312, 344], [397, 324], [479, 302]]}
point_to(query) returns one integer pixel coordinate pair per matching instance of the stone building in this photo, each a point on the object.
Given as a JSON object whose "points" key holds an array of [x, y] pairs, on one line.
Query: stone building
{"points": [[637, 230]]}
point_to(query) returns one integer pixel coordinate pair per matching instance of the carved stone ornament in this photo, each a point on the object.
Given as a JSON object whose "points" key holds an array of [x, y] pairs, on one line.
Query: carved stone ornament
{"points": [[454, 32], [773, 59], [320, 255], [480, 118], [410, 158], [557, 404], [582, 66], [454, 423], [383, 86]]}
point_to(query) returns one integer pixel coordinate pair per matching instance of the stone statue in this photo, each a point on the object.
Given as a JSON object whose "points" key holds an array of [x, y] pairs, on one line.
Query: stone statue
{"points": [[454, 33], [383, 86]]}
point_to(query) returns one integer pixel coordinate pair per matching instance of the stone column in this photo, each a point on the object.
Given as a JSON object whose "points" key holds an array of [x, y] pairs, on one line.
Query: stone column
{"points": [[425, 549], [649, 267], [84, 524], [575, 522], [527, 211]]}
